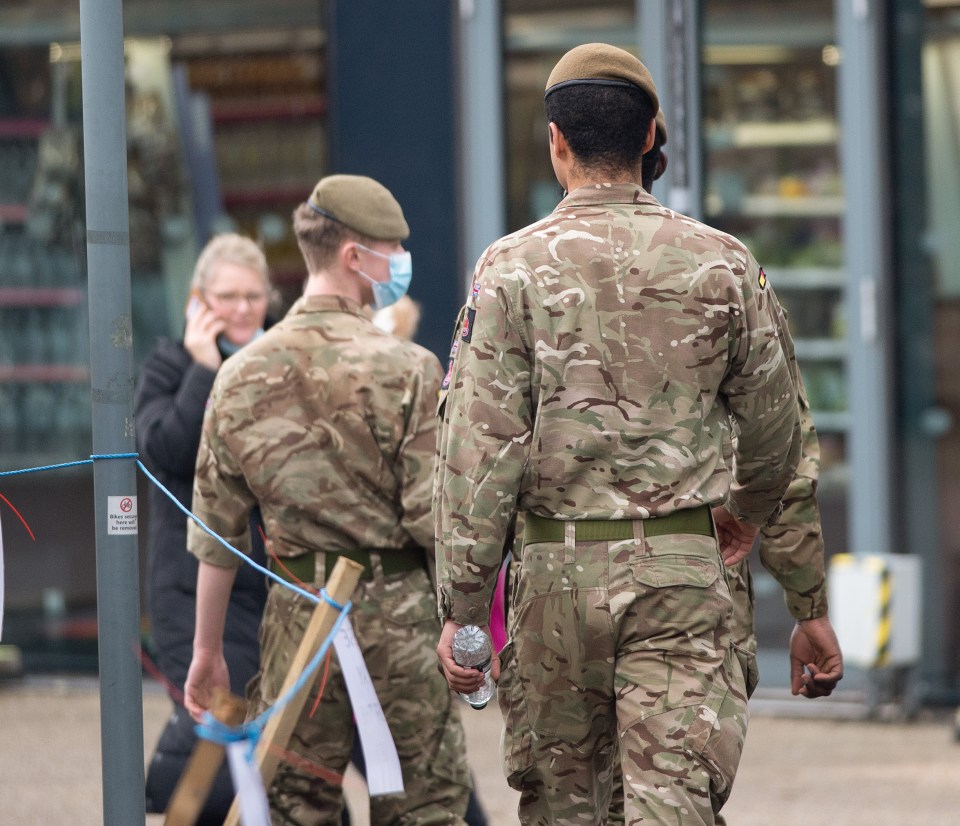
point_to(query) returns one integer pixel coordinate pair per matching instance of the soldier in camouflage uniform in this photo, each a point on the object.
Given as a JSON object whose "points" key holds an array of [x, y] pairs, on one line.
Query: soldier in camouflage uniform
{"points": [[604, 351], [328, 424]]}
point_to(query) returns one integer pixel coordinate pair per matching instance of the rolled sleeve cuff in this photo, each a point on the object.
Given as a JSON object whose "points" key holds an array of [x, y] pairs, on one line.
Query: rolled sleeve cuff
{"points": [[462, 609], [208, 549]]}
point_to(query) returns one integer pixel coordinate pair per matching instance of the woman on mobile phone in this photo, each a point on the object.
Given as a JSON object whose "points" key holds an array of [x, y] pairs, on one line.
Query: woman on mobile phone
{"points": [[227, 308]]}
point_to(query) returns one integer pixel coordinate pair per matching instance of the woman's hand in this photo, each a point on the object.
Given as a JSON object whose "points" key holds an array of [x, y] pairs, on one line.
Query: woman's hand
{"points": [[200, 336]]}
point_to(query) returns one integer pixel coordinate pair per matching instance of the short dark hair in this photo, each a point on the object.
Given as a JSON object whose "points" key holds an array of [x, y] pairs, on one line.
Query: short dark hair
{"points": [[606, 126]]}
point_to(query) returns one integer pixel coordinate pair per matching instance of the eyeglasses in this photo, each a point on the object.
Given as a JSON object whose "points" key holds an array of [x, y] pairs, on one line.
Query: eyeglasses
{"points": [[234, 299]]}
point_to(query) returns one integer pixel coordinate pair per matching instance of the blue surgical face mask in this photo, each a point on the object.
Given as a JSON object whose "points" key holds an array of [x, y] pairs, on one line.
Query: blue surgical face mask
{"points": [[389, 292]]}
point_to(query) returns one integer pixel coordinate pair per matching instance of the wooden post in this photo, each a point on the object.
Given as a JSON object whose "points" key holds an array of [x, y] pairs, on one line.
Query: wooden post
{"points": [[276, 734], [194, 785]]}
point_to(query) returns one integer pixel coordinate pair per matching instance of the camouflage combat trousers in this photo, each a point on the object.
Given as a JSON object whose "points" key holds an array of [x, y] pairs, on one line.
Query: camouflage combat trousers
{"points": [[395, 621], [622, 643]]}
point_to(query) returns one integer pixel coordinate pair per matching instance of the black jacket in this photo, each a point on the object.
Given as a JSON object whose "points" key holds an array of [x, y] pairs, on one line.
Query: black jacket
{"points": [[171, 396]]}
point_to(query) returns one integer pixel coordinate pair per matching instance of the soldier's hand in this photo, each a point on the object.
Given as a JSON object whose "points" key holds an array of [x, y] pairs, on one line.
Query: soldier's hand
{"points": [[735, 537], [208, 671], [464, 680], [816, 662]]}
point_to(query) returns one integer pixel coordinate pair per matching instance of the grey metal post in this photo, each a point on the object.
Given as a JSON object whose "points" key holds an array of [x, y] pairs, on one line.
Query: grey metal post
{"points": [[670, 47], [652, 19], [481, 127], [111, 380], [866, 245]]}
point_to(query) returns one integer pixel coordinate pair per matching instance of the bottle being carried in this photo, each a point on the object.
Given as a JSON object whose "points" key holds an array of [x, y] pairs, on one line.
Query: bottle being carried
{"points": [[471, 649]]}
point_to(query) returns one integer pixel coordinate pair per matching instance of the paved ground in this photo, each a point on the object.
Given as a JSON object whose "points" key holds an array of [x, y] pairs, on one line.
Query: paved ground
{"points": [[821, 769]]}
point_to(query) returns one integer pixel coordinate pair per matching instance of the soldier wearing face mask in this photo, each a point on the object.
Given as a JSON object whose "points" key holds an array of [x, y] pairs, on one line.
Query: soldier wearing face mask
{"points": [[327, 423]]}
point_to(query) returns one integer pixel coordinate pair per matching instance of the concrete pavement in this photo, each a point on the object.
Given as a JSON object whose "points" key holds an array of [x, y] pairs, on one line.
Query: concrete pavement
{"points": [[820, 768]]}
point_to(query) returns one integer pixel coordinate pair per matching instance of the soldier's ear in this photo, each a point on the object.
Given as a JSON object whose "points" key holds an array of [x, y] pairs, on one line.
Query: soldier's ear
{"points": [[349, 255], [651, 136], [558, 143]]}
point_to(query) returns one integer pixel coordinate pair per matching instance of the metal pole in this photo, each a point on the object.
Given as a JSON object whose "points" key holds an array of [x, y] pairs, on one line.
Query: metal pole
{"points": [[481, 129], [669, 40], [111, 379], [652, 26], [863, 90]]}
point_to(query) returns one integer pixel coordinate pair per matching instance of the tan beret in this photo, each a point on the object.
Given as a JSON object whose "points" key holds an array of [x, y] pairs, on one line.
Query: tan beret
{"points": [[661, 122], [600, 63], [361, 204]]}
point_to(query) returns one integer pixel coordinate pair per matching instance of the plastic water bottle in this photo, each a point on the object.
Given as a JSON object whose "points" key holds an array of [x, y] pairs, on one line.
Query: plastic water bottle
{"points": [[471, 649]]}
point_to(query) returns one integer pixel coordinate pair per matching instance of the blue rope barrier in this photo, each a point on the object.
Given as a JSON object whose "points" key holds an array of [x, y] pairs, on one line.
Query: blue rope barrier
{"points": [[97, 456], [93, 456], [307, 594], [211, 728], [45, 467]]}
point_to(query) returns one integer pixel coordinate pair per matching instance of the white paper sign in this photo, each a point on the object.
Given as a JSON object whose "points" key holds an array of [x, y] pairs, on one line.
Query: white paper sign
{"points": [[1, 582], [254, 809], [122, 515], [379, 752]]}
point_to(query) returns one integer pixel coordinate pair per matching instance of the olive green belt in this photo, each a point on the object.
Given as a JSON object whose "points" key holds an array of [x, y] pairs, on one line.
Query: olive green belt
{"points": [[692, 520], [303, 568]]}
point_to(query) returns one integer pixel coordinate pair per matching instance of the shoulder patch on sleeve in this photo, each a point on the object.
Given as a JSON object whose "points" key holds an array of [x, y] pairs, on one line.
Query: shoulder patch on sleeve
{"points": [[762, 279], [466, 334]]}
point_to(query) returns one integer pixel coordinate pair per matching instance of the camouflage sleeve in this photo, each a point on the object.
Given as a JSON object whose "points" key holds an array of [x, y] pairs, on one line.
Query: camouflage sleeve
{"points": [[440, 529], [483, 445], [416, 455], [221, 498], [791, 548], [762, 400]]}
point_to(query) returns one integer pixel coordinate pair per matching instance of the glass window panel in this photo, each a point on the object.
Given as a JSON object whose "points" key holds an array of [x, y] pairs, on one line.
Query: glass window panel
{"points": [[536, 36]]}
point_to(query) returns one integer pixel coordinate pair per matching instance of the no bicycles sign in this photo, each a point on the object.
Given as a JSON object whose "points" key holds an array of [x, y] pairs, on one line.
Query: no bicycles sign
{"points": [[121, 514]]}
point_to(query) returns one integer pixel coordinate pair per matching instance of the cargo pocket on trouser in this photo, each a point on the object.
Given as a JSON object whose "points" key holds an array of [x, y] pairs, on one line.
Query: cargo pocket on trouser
{"points": [[716, 735], [749, 667]]}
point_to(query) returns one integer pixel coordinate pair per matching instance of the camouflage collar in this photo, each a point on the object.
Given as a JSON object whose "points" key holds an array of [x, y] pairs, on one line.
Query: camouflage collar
{"points": [[326, 304], [607, 194]]}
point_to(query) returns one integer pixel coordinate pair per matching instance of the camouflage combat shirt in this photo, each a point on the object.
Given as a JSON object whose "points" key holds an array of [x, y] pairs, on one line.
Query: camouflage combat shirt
{"points": [[329, 425], [602, 351]]}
